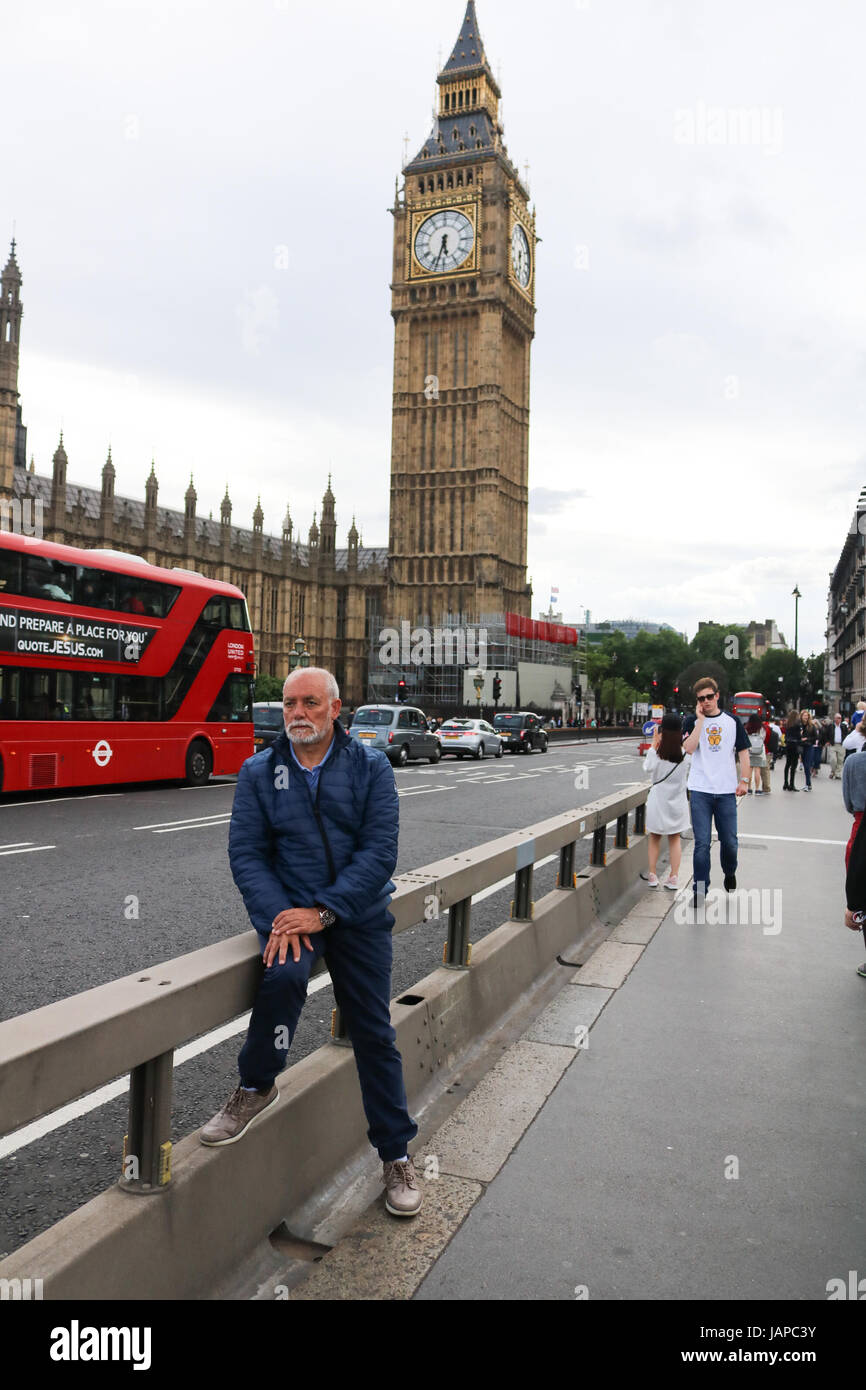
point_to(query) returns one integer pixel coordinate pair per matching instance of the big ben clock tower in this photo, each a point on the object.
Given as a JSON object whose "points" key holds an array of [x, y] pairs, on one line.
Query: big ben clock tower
{"points": [[463, 303]]}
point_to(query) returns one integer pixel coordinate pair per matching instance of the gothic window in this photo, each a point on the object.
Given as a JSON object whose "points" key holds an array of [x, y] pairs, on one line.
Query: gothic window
{"points": [[450, 180], [460, 180], [420, 185], [455, 134], [472, 130], [430, 185], [469, 176], [474, 96], [439, 183], [460, 100]]}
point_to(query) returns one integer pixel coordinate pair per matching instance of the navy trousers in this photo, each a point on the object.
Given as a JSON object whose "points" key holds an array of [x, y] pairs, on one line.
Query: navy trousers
{"points": [[359, 961]]}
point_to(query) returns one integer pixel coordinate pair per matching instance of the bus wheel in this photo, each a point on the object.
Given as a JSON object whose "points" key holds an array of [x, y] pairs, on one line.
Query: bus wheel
{"points": [[199, 763]]}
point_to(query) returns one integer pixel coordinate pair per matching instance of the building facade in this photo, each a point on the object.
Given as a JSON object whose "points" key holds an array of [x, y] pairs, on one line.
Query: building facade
{"points": [[845, 667]]}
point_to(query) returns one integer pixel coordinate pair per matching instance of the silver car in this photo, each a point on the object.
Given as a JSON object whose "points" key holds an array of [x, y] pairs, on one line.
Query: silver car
{"points": [[401, 731], [469, 738]]}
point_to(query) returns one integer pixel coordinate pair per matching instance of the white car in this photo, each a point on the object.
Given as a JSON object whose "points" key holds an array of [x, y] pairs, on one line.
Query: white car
{"points": [[469, 738]]}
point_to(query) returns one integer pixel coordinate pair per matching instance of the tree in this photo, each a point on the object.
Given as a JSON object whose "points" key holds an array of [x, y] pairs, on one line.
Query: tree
{"points": [[726, 644], [607, 661], [695, 671], [269, 688], [658, 655], [779, 675]]}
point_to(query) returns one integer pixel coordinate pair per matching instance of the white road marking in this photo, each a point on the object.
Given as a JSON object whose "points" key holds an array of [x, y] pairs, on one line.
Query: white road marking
{"points": [[792, 839], [197, 825], [50, 800], [191, 820], [17, 844], [423, 791], [34, 850]]}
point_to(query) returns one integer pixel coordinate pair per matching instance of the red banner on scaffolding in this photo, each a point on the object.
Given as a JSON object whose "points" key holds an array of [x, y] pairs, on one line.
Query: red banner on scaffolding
{"points": [[537, 631]]}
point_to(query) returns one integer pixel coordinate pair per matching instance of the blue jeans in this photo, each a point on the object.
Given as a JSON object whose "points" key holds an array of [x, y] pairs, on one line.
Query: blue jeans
{"points": [[704, 807], [359, 962], [808, 763]]}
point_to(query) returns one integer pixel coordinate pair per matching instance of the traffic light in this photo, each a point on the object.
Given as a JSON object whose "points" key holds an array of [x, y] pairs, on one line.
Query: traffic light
{"points": [[497, 690], [676, 690], [401, 692]]}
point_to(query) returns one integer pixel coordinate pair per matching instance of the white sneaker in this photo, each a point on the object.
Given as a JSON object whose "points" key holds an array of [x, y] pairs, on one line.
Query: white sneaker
{"points": [[672, 881], [651, 880]]}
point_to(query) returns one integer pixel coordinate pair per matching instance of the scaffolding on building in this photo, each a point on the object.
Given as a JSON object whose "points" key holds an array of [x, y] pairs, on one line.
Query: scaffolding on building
{"points": [[398, 650]]}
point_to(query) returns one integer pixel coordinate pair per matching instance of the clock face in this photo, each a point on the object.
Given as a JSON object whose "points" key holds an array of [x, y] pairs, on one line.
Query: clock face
{"points": [[444, 241], [520, 256]]}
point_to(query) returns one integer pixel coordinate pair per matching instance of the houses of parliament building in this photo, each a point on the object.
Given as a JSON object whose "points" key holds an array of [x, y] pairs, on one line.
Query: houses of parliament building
{"points": [[463, 304]]}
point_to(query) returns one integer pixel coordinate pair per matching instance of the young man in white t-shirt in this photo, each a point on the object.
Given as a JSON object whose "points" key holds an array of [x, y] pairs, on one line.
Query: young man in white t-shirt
{"points": [[718, 742]]}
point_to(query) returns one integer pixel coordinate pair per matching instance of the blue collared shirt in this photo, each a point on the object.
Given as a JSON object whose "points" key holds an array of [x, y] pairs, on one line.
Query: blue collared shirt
{"points": [[311, 772]]}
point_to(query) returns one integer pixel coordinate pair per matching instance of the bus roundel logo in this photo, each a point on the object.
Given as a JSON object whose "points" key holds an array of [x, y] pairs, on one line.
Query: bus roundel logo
{"points": [[102, 753]]}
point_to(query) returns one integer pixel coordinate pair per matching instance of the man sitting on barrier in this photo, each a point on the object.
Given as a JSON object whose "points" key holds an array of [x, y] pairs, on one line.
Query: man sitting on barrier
{"points": [[312, 846]]}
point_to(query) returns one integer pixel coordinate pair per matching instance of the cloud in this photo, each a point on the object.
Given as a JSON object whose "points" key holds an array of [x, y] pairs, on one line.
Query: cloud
{"points": [[545, 501]]}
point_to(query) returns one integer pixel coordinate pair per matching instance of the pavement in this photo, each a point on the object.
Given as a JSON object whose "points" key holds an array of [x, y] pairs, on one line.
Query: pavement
{"points": [[686, 1119]]}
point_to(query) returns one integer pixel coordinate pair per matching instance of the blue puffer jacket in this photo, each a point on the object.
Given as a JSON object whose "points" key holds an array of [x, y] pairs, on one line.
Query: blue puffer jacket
{"points": [[276, 850]]}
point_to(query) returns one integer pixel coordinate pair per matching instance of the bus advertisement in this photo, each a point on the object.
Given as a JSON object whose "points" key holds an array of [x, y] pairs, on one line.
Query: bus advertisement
{"points": [[114, 670]]}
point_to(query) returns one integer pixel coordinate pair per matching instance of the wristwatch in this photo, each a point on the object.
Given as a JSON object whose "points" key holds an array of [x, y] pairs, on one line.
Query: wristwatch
{"points": [[326, 916]]}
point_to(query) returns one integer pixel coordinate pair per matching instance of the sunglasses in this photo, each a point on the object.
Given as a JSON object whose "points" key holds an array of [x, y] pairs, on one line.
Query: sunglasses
{"points": [[711, 696]]}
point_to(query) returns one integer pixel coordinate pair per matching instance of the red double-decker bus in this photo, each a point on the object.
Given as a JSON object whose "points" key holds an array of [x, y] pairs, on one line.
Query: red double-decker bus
{"points": [[114, 670]]}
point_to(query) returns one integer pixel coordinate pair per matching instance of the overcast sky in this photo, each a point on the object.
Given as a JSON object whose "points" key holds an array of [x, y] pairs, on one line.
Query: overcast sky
{"points": [[200, 191]]}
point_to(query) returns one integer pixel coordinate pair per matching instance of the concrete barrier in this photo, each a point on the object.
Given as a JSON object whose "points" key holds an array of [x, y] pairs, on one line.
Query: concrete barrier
{"points": [[222, 1203]]}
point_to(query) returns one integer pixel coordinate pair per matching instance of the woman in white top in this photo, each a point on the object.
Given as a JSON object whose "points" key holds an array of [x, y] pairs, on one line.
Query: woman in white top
{"points": [[667, 807]]}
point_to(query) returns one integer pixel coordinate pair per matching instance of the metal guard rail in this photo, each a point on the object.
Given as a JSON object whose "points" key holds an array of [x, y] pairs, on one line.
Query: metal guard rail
{"points": [[58, 1053]]}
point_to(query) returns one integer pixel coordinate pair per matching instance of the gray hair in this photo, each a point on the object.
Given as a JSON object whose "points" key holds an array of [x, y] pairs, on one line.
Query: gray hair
{"points": [[330, 680]]}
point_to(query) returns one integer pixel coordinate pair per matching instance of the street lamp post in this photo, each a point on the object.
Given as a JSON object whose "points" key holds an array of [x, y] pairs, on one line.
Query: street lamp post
{"points": [[796, 595], [300, 657]]}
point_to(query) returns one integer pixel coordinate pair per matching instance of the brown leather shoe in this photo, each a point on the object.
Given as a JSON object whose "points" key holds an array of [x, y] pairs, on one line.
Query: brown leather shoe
{"points": [[402, 1194], [241, 1110]]}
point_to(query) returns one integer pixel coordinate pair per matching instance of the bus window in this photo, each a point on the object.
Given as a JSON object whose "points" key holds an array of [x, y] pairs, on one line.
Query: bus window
{"points": [[95, 588], [48, 579], [10, 572], [94, 696], [226, 612], [138, 697], [62, 695], [234, 702], [144, 596], [236, 614], [9, 682], [37, 695]]}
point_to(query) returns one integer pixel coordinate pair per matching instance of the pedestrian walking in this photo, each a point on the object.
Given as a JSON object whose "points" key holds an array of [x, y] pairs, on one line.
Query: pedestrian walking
{"points": [[757, 753], [769, 740], [718, 743], [853, 742], [792, 751], [774, 742], [667, 807], [854, 796], [834, 736], [808, 744], [312, 847]]}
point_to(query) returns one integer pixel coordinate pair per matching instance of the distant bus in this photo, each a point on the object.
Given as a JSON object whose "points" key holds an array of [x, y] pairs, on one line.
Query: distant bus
{"points": [[114, 670], [748, 702]]}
